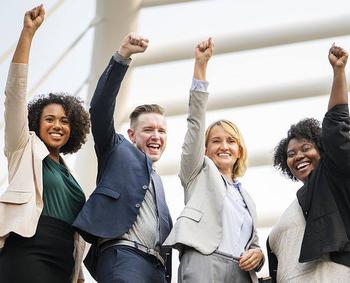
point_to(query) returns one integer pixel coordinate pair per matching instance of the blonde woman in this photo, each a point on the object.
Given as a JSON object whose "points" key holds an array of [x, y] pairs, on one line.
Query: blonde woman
{"points": [[216, 231]]}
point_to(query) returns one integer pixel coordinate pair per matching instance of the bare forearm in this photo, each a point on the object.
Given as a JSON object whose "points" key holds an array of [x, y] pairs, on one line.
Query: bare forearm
{"points": [[339, 92], [22, 51], [200, 70]]}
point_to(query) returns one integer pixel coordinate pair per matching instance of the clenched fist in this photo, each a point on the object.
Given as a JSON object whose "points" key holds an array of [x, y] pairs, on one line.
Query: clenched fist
{"points": [[132, 44], [33, 19], [337, 57]]}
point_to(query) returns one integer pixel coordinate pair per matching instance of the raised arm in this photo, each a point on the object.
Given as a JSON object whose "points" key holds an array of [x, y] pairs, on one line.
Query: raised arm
{"points": [[32, 21], [16, 121], [193, 148], [339, 93], [336, 123], [103, 101]]}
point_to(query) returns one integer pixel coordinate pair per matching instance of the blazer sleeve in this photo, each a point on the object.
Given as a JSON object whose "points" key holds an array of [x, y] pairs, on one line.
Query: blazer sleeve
{"points": [[336, 138], [103, 104], [16, 112], [192, 156]]}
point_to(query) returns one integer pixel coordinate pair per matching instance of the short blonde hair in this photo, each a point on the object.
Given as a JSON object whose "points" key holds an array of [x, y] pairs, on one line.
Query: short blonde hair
{"points": [[240, 166]]}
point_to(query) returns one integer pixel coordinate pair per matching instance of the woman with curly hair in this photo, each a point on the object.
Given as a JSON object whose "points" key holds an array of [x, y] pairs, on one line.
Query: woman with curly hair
{"points": [[216, 231], [310, 243], [37, 241]]}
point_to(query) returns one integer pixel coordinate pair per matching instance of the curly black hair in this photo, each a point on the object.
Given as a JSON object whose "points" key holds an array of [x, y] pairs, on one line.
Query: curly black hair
{"points": [[78, 118], [308, 129]]}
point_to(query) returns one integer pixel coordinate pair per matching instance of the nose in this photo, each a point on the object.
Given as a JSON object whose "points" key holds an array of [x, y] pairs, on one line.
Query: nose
{"points": [[57, 124], [224, 145], [299, 155], [155, 135]]}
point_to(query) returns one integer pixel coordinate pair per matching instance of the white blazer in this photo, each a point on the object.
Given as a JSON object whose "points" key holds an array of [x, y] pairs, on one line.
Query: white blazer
{"points": [[200, 223]]}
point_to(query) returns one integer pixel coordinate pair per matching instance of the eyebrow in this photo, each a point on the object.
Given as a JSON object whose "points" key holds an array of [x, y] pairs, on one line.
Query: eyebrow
{"points": [[51, 115]]}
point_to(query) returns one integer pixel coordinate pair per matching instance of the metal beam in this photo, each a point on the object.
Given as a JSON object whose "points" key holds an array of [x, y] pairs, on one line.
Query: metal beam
{"points": [[172, 166], [259, 38], [153, 3], [94, 22], [248, 97], [48, 14]]}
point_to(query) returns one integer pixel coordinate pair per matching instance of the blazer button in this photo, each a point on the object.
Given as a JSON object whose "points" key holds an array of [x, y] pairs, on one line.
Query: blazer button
{"points": [[137, 205], [144, 187]]}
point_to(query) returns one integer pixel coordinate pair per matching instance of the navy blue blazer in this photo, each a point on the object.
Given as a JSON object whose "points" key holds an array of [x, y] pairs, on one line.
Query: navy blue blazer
{"points": [[124, 172]]}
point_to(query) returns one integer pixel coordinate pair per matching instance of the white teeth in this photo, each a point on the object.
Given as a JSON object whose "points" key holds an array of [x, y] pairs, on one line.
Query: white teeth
{"points": [[302, 165], [157, 146], [55, 135], [224, 154]]}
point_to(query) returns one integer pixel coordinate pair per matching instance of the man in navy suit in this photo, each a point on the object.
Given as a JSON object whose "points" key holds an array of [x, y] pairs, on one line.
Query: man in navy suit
{"points": [[126, 218]]}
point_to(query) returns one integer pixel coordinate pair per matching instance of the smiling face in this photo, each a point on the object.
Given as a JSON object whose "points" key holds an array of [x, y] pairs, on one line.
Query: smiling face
{"points": [[302, 158], [223, 149], [149, 134], [54, 128]]}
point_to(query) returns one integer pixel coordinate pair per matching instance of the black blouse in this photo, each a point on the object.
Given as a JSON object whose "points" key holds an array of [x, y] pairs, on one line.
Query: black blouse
{"points": [[325, 197]]}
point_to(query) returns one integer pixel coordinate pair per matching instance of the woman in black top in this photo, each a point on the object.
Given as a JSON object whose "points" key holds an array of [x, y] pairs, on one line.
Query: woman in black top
{"points": [[320, 158]]}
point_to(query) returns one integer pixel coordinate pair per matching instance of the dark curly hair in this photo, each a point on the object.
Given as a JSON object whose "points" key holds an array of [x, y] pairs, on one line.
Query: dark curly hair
{"points": [[308, 129], [78, 118]]}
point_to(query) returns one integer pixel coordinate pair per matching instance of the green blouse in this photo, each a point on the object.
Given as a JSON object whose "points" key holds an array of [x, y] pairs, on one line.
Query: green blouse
{"points": [[62, 195]]}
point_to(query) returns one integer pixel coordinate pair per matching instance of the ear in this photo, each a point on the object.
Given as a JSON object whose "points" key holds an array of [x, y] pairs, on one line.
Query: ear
{"points": [[131, 135]]}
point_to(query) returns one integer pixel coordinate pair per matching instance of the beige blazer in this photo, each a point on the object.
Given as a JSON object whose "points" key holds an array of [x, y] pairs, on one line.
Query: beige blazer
{"points": [[21, 204], [200, 223]]}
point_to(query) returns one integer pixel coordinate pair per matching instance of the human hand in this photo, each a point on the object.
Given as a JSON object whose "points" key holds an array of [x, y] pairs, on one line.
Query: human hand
{"points": [[250, 259], [132, 44], [204, 51], [337, 57], [33, 19]]}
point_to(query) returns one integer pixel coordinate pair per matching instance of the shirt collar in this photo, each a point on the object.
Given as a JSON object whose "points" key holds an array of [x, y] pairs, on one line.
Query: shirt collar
{"points": [[236, 183]]}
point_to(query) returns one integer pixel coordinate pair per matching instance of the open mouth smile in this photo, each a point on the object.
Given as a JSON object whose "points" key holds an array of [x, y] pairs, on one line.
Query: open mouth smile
{"points": [[302, 166]]}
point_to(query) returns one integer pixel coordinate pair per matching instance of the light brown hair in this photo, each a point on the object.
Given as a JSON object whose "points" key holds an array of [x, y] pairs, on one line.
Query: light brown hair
{"points": [[145, 108]]}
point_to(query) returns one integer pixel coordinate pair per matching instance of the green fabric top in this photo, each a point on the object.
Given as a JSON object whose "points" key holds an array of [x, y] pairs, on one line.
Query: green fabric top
{"points": [[62, 195]]}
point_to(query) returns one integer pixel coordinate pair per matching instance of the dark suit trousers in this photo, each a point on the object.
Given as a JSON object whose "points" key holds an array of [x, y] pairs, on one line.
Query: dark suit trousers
{"points": [[122, 264]]}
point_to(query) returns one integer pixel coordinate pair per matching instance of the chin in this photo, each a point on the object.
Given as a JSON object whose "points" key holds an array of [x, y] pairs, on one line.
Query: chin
{"points": [[155, 159]]}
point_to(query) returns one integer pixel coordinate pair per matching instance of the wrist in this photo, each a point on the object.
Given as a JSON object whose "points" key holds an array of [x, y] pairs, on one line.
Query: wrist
{"points": [[338, 70], [124, 52], [201, 64], [27, 33], [199, 75], [200, 71]]}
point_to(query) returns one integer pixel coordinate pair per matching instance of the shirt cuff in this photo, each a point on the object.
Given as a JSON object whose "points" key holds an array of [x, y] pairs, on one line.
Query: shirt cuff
{"points": [[120, 59], [198, 85]]}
